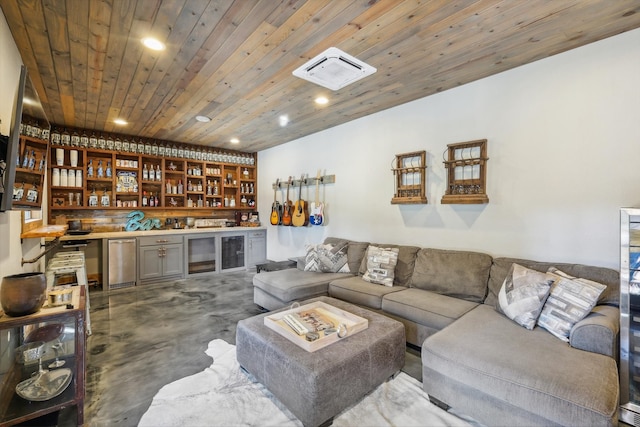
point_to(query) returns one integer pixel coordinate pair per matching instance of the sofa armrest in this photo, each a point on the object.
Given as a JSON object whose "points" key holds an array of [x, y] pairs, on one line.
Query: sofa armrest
{"points": [[599, 332]]}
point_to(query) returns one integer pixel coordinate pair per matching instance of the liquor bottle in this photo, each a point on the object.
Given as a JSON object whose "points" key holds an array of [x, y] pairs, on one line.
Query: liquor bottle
{"points": [[157, 202], [158, 173], [90, 169], [144, 199], [32, 160], [180, 187], [145, 173], [243, 201], [25, 160], [108, 168], [209, 188], [189, 203], [168, 187], [200, 186], [189, 186], [152, 201], [215, 187], [100, 169], [200, 201], [42, 163]]}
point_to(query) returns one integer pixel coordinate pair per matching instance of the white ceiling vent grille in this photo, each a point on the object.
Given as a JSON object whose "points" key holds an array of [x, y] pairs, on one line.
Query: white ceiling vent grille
{"points": [[334, 69]]}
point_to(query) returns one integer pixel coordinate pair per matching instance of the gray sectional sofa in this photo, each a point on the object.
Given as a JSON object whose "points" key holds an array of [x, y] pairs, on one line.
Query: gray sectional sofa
{"points": [[474, 358]]}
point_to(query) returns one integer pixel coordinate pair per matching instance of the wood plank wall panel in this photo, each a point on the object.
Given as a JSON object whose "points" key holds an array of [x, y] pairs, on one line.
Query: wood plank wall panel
{"points": [[232, 60]]}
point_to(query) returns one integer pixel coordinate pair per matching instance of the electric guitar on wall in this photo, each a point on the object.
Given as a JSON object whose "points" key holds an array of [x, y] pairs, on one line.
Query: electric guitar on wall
{"points": [[286, 211], [275, 208], [301, 209], [317, 206]]}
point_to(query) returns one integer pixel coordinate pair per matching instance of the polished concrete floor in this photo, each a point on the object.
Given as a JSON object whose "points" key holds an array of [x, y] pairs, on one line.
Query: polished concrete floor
{"points": [[149, 336]]}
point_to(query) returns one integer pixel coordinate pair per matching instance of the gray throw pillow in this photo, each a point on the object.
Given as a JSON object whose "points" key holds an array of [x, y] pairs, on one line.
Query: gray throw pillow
{"points": [[523, 294], [570, 301]]}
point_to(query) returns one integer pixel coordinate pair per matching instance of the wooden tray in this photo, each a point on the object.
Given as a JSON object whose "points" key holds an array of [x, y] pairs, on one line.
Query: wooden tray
{"points": [[330, 313]]}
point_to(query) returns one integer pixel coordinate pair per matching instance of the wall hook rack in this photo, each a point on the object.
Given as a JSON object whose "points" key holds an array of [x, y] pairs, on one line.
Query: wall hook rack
{"points": [[308, 180]]}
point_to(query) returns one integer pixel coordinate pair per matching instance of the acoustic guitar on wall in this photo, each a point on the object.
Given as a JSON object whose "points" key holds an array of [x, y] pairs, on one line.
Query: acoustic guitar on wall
{"points": [[301, 209], [286, 210], [316, 217], [275, 208]]}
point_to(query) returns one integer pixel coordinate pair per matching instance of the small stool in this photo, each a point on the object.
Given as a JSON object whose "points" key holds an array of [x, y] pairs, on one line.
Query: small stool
{"points": [[317, 386]]}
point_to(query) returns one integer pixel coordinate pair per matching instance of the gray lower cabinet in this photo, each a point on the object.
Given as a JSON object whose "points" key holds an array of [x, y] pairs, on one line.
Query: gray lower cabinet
{"points": [[256, 247], [160, 258]]}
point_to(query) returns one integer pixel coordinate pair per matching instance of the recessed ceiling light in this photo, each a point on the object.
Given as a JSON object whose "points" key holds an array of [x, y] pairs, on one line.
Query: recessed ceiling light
{"points": [[120, 122], [153, 44], [322, 100], [234, 140], [283, 120], [203, 119]]}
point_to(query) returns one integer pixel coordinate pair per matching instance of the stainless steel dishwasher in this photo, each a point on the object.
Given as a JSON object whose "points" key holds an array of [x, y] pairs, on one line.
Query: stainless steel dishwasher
{"points": [[122, 263]]}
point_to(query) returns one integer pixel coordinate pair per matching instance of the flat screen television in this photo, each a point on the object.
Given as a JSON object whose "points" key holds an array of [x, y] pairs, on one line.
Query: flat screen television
{"points": [[26, 107]]}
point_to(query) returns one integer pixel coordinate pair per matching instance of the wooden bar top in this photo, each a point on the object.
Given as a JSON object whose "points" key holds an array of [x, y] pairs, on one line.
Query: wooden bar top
{"points": [[45, 231]]}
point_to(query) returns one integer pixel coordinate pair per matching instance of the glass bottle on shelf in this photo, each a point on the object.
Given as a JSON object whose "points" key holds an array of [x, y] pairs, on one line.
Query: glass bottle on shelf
{"points": [[93, 198], [158, 173], [144, 199], [42, 163], [90, 169], [245, 173], [142, 147], [127, 147], [84, 140], [18, 192], [65, 138], [181, 152], [55, 136], [243, 201], [174, 151], [168, 187], [25, 159], [161, 150], [200, 203], [100, 169], [108, 169], [117, 144], [180, 187], [104, 200], [110, 143], [93, 141], [189, 203], [145, 173], [199, 186], [189, 186], [102, 143], [75, 139], [154, 148], [215, 187]]}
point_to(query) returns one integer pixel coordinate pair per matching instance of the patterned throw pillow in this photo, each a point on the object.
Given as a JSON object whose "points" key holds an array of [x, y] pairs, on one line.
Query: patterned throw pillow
{"points": [[381, 264], [326, 258], [523, 294], [570, 301]]}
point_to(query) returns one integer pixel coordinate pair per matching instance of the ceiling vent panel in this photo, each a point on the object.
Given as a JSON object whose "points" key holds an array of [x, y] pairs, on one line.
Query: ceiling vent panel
{"points": [[334, 69]]}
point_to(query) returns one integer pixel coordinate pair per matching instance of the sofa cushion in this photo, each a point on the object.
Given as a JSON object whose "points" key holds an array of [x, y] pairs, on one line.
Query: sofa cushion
{"points": [[327, 258], [357, 291], [404, 266], [606, 276], [523, 295], [570, 301], [293, 284], [531, 370], [381, 265], [459, 274], [355, 252], [426, 308]]}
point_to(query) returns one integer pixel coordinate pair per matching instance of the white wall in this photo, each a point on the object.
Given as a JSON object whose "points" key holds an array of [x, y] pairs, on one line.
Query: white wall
{"points": [[564, 147], [11, 249]]}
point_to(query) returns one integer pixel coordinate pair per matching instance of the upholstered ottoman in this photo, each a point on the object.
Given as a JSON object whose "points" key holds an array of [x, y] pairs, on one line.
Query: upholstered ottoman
{"points": [[316, 386]]}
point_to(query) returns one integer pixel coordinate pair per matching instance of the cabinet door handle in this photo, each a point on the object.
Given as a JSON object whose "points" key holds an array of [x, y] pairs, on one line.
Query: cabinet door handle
{"points": [[162, 241], [159, 252]]}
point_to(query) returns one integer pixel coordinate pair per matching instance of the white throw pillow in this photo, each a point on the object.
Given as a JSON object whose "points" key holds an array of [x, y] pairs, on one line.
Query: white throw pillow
{"points": [[570, 301], [523, 294], [381, 264]]}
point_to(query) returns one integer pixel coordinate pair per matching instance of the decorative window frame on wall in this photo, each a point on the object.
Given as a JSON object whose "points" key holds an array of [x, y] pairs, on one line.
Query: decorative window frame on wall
{"points": [[410, 178], [466, 164]]}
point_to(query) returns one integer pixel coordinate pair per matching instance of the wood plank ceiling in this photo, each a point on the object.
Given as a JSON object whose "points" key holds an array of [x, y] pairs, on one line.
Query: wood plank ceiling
{"points": [[232, 60]]}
